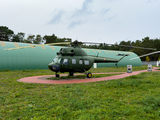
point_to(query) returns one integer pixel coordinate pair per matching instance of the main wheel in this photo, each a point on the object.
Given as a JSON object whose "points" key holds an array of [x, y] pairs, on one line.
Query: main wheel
{"points": [[89, 75], [71, 73], [57, 75]]}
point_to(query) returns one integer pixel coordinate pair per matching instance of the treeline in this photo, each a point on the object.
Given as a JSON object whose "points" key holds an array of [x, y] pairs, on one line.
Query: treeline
{"points": [[7, 34], [145, 42]]}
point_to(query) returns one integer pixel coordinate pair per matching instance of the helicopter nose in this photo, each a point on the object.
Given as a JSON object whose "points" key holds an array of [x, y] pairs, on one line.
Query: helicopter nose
{"points": [[54, 67]]}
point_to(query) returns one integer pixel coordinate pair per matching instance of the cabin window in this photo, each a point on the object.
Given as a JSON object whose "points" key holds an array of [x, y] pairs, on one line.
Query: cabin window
{"points": [[80, 62], [65, 61], [73, 61], [86, 62]]}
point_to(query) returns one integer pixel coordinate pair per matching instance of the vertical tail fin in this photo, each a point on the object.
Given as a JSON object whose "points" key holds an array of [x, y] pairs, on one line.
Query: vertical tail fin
{"points": [[123, 55]]}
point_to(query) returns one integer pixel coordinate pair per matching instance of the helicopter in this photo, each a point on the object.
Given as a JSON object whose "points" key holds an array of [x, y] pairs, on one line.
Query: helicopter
{"points": [[73, 59]]}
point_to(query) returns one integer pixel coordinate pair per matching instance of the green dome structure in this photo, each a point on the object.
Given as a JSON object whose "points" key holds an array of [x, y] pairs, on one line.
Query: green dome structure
{"points": [[39, 57]]}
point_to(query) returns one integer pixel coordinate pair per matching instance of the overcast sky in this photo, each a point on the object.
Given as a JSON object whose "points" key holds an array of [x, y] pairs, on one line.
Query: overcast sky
{"points": [[108, 21]]}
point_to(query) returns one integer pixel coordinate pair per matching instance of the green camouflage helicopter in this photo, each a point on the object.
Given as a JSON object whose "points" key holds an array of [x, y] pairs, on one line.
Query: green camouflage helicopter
{"points": [[73, 59]]}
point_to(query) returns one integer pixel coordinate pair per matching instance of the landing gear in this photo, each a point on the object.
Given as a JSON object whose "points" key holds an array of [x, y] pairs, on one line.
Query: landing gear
{"points": [[57, 75], [89, 75], [71, 73]]}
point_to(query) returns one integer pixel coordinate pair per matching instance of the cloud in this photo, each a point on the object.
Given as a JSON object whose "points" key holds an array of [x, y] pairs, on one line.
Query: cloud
{"points": [[57, 17], [104, 11], [84, 10], [112, 17], [151, 1], [74, 23], [78, 17]]}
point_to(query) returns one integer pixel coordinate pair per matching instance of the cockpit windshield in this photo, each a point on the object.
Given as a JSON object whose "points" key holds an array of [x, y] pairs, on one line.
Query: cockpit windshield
{"points": [[57, 60]]}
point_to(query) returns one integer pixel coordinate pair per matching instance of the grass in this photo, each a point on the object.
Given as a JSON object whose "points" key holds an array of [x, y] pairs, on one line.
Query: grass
{"points": [[134, 97]]}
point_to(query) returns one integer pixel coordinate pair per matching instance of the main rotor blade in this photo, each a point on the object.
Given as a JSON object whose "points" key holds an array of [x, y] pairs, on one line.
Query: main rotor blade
{"points": [[145, 55], [19, 47], [37, 45], [58, 43], [122, 45]]}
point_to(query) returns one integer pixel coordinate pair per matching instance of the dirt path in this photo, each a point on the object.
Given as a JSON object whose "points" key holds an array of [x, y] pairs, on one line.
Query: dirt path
{"points": [[43, 79]]}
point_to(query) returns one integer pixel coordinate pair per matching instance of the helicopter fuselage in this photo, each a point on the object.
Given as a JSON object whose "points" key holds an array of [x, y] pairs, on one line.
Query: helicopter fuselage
{"points": [[74, 59], [71, 64]]}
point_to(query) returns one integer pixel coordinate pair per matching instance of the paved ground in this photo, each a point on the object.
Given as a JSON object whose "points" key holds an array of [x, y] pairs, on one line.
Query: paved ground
{"points": [[43, 79]]}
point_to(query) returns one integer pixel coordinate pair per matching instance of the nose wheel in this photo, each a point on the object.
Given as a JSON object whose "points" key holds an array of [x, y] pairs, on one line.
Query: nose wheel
{"points": [[89, 74], [57, 75]]}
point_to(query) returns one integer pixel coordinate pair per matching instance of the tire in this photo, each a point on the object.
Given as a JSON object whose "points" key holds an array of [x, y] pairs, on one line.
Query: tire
{"points": [[71, 73], [57, 75], [89, 75]]}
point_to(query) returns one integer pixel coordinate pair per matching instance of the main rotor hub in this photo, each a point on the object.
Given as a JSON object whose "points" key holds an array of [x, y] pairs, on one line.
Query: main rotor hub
{"points": [[76, 44]]}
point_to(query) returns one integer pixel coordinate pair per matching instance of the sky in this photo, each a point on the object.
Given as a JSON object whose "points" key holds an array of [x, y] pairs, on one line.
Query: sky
{"points": [[108, 21]]}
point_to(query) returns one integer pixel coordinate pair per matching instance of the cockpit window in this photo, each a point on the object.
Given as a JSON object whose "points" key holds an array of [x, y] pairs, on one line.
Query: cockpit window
{"points": [[59, 60], [55, 60], [65, 61]]}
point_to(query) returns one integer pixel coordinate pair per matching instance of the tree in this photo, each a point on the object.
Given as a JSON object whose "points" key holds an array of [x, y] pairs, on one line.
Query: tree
{"points": [[15, 38], [50, 39], [128, 43], [159, 58], [18, 37], [29, 39], [147, 58], [5, 33], [21, 36], [38, 39], [26, 41]]}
